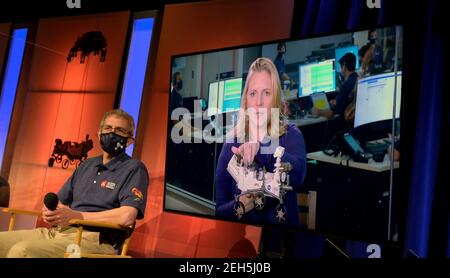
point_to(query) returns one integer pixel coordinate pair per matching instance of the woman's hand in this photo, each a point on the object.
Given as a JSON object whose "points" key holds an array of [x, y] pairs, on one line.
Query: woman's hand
{"points": [[60, 216], [315, 111], [247, 151]]}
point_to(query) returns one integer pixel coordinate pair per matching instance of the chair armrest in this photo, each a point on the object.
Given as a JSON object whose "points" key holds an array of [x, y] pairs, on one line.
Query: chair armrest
{"points": [[14, 212], [97, 224], [20, 211]]}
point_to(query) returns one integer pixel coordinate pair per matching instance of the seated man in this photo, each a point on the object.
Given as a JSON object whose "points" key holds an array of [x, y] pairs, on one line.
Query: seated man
{"points": [[344, 96], [110, 188]]}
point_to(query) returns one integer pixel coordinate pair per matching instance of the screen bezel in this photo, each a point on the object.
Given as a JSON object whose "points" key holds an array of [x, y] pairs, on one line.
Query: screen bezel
{"points": [[404, 188]]}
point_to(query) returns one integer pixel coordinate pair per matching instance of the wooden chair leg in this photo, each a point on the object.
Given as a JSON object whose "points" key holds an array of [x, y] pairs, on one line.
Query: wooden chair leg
{"points": [[12, 222]]}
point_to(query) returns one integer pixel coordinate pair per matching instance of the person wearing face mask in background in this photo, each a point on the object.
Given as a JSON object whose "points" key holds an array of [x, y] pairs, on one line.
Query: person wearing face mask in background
{"points": [[377, 65], [286, 82], [176, 100], [110, 188]]}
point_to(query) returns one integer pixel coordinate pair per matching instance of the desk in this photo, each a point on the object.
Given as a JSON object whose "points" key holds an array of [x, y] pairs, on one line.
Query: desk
{"points": [[308, 120], [346, 161], [352, 198], [190, 166]]}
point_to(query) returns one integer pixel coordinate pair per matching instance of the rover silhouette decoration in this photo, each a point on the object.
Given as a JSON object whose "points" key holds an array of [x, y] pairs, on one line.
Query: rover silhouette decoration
{"points": [[70, 153], [90, 42]]}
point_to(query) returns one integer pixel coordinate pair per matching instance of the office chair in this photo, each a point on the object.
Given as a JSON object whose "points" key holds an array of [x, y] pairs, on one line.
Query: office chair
{"points": [[123, 233], [307, 205]]}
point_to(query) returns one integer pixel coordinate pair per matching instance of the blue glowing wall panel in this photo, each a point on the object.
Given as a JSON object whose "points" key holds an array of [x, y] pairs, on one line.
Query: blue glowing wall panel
{"points": [[136, 65], [9, 87]]}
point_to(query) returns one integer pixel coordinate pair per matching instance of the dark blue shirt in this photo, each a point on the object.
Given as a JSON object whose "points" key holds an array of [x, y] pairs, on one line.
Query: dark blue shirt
{"points": [[96, 187], [279, 64], [226, 187], [176, 100], [344, 98]]}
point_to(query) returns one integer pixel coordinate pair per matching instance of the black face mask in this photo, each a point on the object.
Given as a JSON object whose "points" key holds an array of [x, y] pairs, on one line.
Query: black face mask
{"points": [[373, 41], [180, 85], [112, 143]]}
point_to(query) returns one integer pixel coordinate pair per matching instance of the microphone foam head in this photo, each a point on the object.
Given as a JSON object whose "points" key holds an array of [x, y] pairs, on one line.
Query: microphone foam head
{"points": [[51, 200]]}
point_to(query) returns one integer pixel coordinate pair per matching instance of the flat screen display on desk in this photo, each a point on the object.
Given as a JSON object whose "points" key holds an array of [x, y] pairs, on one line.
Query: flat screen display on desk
{"points": [[232, 95], [375, 98], [317, 77]]}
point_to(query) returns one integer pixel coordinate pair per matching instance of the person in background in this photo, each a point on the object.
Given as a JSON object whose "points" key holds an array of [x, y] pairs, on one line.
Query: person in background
{"points": [[365, 54], [378, 53], [344, 96], [395, 153], [176, 100], [285, 80]]}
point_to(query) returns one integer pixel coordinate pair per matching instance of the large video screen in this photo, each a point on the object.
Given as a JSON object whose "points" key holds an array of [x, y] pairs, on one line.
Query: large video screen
{"points": [[279, 141]]}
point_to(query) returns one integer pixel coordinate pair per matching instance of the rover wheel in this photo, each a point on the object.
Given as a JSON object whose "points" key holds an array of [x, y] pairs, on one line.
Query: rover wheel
{"points": [[65, 163], [59, 159], [280, 213], [259, 201], [51, 161]]}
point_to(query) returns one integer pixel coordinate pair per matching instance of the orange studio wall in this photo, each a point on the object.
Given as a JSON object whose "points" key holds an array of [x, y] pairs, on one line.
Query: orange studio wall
{"points": [[187, 28], [63, 100]]}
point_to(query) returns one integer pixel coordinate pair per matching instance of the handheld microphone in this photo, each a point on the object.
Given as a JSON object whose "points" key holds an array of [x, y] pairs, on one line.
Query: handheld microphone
{"points": [[51, 200]]}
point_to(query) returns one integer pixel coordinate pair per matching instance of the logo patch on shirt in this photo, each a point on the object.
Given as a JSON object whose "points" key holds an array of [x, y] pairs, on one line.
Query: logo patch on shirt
{"points": [[138, 194], [108, 184]]}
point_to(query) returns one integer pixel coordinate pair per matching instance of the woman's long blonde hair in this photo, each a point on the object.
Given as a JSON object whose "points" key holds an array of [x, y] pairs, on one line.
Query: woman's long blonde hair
{"points": [[260, 65]]}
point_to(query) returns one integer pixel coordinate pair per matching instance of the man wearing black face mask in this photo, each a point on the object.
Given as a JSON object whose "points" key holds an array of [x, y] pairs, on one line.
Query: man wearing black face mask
{"points": [[377, 60], [286, 82], [111, 188]]}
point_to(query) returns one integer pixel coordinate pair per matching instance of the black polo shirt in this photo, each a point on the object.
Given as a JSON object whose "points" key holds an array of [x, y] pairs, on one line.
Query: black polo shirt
{"points": [[96, 187], [344, 98]]}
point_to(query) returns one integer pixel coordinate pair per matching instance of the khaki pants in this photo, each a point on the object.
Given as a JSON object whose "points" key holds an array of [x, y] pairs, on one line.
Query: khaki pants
{"points": [[48, 243]]}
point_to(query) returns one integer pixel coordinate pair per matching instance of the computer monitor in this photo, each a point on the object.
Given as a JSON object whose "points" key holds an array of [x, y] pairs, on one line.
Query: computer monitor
{"points": [[320, 101], [232, 95], [316, 77], [341, 51], [215, 98], [375, 98]]}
